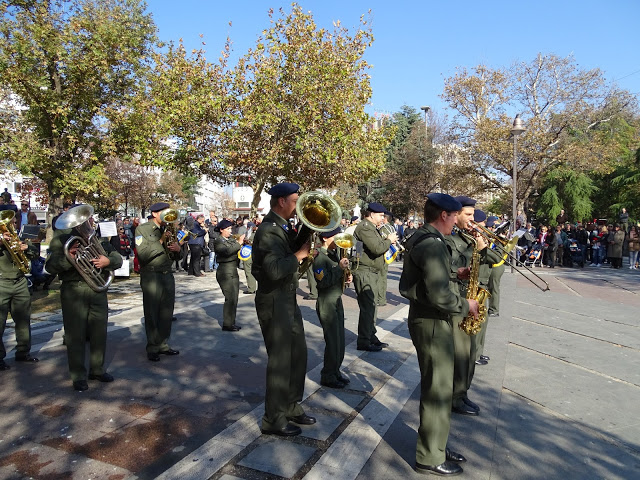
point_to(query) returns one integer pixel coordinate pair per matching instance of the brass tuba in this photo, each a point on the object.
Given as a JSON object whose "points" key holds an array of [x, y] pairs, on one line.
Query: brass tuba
{"points": [[318, 212], [344, 241], [89, 247], [18, 257]]}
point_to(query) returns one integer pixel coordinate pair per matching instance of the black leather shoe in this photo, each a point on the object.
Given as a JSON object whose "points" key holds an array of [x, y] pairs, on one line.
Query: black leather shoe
{"points": [[381, 344], [247, 292], [303, 419], [471, 404], [481, 362], [309, 297], [173, 319], [80, 385], [454, 456], [171, 351], [288, 430], [3, 366], [371, 348], [344, 379], [232, 328], [494, 314], [444, 469], [333, 384], [484, 357], [464, 409], [26, 358], [105, 377], [154, 357]]}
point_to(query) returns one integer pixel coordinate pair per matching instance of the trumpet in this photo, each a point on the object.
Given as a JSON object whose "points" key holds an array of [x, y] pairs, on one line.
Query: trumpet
{"points": [[386, 230], [344, 241], [318, 213], [505, 247]]}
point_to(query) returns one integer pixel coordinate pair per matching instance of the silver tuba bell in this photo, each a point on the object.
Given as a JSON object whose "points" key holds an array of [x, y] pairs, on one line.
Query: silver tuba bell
{"points": [[88, 249]]}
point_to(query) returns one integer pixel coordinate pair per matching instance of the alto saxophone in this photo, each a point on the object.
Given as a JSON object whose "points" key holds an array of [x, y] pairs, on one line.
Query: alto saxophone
{"points": [[470, 325]]}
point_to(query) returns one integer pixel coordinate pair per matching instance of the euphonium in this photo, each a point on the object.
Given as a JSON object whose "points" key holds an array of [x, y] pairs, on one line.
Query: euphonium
{"points": [[18, 257], [89, 247], [344, 241], [318, 212], [471, 325]]}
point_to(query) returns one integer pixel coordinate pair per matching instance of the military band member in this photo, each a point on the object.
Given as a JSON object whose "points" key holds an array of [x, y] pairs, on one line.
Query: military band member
{"points": [[366, 276], [248, 263], [381, 298], [84, 311], [15, 299], [425, 281], [461, 253], [275, 266], [227, 248], [156, 281], [328, 270]]}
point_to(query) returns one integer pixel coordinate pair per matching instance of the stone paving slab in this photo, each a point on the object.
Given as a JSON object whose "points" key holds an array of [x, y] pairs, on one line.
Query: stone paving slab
{"points": [[278, 457]]}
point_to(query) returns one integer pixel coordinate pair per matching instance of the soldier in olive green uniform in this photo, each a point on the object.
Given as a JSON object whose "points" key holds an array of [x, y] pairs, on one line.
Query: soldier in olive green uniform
{"points": [[84, 311], [425, 282], [366, 278], [248, 263], [381, 298], [461, 253], [157, 282], [328, 271], [15, 299], [227, 248], [275, 265]]}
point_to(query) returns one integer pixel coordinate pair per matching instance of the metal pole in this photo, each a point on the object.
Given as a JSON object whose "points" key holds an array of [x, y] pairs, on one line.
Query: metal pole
{"points": [[515, 183]]}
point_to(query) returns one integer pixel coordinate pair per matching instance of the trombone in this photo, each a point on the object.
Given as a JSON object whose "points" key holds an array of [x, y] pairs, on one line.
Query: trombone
{"points": [[505, 247]]}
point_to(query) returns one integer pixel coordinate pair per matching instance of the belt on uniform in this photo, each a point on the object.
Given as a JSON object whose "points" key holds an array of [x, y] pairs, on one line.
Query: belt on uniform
{"points": [[155, 270]]}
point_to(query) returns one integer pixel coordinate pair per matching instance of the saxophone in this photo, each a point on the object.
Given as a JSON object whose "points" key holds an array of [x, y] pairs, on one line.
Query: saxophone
{"points": [[471, 325]]}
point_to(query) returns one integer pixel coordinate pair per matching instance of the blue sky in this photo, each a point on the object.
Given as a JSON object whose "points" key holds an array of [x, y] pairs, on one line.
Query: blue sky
{"points": [[420, 43]]}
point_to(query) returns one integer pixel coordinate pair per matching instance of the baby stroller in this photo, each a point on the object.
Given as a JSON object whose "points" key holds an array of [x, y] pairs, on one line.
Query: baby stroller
{"points": [[534, 257], [575, 253]]}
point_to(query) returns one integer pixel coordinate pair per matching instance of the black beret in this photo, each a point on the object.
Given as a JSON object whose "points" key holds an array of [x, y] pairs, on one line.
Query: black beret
{"points": [[491, 221], [445, 202], [479, 216], [224, 224], [283, 189], [466, 201], [354, 218], [158, 207], [376, 207], [333, 232]]}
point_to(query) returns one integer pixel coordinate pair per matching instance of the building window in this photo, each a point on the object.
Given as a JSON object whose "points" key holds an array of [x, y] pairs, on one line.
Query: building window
{"points": [[243, 204]]}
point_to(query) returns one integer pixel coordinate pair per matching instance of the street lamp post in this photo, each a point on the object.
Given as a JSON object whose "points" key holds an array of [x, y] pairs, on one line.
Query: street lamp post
{"points": [[426, 121], [516, 131]]}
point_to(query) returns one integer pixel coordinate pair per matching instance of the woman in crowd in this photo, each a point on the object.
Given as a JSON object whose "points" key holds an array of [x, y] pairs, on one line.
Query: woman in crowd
{"points": [[227, 248], [634, 246], [121, 243]]}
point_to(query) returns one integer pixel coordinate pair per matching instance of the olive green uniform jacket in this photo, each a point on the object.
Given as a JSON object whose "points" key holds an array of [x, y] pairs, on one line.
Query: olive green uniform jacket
{"points": [[15, 299], [157, 284], [329, 275], [366, 279], [425, 281], [276, 270], [227, 276], [84, 311]]}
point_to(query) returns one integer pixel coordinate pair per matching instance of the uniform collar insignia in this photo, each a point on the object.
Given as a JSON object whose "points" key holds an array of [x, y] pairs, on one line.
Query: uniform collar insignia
{"points": [[285, 227]]}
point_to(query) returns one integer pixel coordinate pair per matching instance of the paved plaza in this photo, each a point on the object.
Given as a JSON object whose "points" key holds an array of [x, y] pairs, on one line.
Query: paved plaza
{"points": [[559, 397]]}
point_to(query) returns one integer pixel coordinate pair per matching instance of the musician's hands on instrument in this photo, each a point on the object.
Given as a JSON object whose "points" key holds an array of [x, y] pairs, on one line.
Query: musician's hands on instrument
{"points": [[23, 246], [473, 307], [393, 237], [73, 249], [100, 262], [304, 251], [173, 247], [464, 273], [241, 239], [344, 263], [349, 279], [7, 236]]}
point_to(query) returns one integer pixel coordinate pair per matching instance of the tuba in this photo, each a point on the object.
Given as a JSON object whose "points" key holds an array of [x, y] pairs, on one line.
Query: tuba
{"points": [[89, 247], [344, 241], [18, 257], [318, 212]]}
